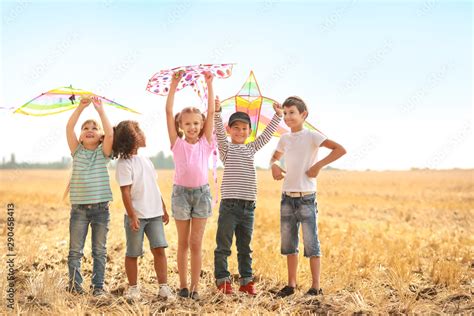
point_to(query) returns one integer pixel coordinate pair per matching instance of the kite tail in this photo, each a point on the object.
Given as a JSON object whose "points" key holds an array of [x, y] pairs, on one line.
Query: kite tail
{"points": [[214, 169], [68, 187], [66, 191]]}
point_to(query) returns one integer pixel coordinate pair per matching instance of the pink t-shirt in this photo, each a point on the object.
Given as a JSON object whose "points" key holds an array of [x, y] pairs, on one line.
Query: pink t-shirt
{"points": [[191, 162]]}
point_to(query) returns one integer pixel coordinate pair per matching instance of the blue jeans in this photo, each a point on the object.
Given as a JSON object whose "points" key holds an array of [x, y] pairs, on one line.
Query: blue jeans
{"points": [[235, 216], [98, 217], [295, 211]]}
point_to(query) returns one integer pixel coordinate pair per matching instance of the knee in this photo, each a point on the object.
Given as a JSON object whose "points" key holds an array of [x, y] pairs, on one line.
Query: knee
{"points": [[195, 246], [99, 252], [183, 245], [158, 252], [75, 254], [221, 251]]}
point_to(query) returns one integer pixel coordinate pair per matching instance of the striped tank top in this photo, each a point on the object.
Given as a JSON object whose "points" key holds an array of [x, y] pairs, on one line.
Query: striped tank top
{"points": [[90, 177]]}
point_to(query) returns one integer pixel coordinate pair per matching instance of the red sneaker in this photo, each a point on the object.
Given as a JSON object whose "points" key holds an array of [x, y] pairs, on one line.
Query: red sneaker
{"points": [[249, 288], [225, 288]]}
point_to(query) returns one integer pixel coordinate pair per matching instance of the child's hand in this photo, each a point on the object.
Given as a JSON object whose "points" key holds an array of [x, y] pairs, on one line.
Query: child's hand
{"points": [[97, 103], [166, 217], [218, 104], [277, 172], [208, 76], [85, 101], [313, 171], [134, 223], [176, 78], [278, 109]]}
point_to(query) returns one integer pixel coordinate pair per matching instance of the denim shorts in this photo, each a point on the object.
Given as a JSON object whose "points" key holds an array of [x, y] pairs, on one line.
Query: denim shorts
{"points": [[154, 230], [187, 203], [295, 211]]}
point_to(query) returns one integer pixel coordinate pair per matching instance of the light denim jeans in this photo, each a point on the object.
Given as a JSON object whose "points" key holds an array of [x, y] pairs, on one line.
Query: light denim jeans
{"points": [[97, 216], [296, 211]]}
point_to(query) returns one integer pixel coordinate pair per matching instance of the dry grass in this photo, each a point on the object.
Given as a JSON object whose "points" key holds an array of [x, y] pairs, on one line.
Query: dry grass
{"points": [[393, 242]]}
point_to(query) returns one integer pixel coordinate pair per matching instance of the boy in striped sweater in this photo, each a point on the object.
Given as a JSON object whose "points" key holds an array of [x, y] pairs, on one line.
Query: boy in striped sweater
{"points": [[238, 195]]}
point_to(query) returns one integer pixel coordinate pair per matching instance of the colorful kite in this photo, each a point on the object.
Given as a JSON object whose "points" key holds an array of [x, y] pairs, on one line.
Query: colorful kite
{"points": [[193, 77], [61, 100], [260, 109]]}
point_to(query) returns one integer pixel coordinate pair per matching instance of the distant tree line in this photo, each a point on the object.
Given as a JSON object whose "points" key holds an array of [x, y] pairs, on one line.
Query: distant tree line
{"points": [[160, 161]]}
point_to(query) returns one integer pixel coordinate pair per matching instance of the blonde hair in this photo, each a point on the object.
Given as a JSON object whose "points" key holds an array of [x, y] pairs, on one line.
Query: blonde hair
{"points": [[97, 124], [177, 119]]}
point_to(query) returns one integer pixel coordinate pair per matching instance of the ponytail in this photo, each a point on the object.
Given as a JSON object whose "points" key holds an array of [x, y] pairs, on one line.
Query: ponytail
{"points": [[203, 125], [176, 125]]}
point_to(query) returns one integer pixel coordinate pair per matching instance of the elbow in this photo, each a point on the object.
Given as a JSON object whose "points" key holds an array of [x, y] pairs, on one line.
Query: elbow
{"points": [[343, 151]]}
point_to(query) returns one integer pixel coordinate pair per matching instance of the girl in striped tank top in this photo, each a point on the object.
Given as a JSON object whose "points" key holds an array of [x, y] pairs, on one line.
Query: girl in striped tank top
{"points": [[89, 194]]}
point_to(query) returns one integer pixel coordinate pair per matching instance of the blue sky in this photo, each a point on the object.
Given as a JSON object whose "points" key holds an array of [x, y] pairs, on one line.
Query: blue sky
{"points": [[391, 81]]}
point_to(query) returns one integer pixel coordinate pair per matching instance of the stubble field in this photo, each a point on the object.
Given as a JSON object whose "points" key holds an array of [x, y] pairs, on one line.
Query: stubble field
{"points": [[392, 242]]}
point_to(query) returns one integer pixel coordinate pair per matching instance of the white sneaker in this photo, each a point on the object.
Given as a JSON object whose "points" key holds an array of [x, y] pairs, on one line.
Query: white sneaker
{"points": [[133, 293], [165, 292]]}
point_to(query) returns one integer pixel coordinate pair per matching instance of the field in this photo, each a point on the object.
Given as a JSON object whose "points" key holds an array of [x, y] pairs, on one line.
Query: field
{"points": [[392, 242]]}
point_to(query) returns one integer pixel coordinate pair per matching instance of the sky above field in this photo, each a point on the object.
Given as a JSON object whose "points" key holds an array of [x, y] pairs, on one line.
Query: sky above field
{"points": [[390, 81]]}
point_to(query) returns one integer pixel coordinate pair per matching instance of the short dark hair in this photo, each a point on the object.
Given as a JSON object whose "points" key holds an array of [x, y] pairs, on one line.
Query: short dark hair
{"points": [[296, 101]]}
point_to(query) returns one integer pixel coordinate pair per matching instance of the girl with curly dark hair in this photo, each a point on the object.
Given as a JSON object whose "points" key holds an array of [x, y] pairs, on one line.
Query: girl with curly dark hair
{"points": [[145, 209]]}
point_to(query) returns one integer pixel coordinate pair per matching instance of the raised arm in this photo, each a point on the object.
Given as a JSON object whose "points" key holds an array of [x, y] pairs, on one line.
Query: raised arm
{"points": [[72, 140], [337, 151], [209, 124], [222, 142], [267, 133], [172, 133], [108, 129]]}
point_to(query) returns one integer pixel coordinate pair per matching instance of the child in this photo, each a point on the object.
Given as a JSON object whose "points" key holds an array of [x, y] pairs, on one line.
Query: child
{"points": [[191, 198], [298, 204], [90, 194], [238, 196], [145, 209]]}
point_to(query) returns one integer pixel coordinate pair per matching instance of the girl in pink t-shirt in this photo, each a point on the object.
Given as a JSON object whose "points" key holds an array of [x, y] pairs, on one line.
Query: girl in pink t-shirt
{"points": [[191, 200]]}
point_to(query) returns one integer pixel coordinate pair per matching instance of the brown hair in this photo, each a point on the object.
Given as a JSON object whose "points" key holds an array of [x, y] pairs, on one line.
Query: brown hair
{"points": [[296, 101], [177, 119], [126, 136]]}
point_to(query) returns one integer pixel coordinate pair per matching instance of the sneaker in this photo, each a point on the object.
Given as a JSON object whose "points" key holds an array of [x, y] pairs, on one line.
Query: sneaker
{"points": [[99, 292], [133, 293], [248, 288], [314, 292], [225, 288], [184, 292], [195, 296], [166, 293], [75, 289], [286, 291]]}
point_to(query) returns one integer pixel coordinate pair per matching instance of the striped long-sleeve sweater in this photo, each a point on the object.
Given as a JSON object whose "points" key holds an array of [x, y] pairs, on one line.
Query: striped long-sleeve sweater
{"points": [[240, 177]]}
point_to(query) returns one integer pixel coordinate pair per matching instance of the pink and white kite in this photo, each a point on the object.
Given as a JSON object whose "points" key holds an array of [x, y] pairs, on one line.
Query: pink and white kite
{"points": [[193, 77]]}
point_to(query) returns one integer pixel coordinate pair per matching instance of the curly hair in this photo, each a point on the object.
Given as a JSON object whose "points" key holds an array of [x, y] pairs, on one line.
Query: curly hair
{"points": [[126, 136], [177, 119]]}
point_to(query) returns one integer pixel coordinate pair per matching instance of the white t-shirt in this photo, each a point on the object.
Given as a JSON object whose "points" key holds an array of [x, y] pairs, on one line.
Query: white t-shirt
{"points": [[140, 173], [300, 151]]}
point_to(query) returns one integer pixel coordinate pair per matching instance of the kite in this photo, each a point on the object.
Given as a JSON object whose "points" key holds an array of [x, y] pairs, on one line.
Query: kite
{"points": [[161, 81], [60, 100], [260, 109]]}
